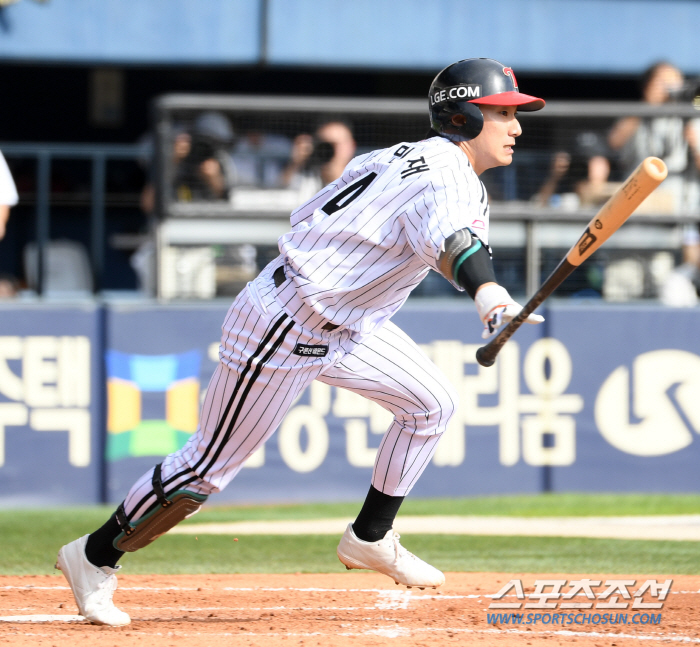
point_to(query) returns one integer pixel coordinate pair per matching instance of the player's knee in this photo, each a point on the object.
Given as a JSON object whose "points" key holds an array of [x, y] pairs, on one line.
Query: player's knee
{"points": [[448, 402], [442, 409]]}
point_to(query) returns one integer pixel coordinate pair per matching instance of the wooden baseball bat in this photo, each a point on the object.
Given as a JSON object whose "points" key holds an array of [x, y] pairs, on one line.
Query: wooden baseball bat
{"points": [[620, 206]]}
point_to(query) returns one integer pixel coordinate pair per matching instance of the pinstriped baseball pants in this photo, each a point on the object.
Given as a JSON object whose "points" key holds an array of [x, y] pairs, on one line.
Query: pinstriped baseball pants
{"points": [[259, 377]]}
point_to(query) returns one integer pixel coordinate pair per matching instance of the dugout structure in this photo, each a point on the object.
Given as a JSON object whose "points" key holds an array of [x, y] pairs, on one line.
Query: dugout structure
{"points": [[210, 245]]}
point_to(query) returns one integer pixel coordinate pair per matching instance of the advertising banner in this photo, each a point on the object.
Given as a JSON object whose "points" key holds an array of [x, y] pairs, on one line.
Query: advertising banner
{"points": [[159, 360], [51, 405], [598, 398], [637, 370]]}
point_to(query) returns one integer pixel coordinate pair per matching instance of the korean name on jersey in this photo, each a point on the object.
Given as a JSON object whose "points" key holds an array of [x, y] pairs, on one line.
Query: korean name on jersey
{"points": [[360, 245]]}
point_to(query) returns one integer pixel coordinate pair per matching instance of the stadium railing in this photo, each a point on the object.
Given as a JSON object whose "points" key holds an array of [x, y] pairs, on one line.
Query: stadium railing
{"points": [[44, 156]]}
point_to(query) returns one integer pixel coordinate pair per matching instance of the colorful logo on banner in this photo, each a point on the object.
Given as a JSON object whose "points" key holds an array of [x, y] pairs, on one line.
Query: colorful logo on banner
{"points": [[152, 403]]}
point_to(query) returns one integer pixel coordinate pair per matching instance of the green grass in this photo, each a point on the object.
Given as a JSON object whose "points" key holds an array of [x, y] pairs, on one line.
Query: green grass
{"points": [[30, 539]]}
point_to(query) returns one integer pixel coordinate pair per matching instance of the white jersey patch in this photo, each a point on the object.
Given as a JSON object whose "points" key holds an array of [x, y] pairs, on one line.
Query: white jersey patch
{"points": [[360, 245]]}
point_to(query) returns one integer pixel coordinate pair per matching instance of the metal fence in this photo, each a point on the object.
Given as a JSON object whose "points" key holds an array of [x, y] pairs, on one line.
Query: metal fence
{"points": [[44, 156]]}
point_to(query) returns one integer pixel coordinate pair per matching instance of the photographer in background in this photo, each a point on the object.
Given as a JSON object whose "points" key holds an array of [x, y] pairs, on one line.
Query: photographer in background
{"points": [[677, 142], [205, 171], [579, 178], [673, 139], [318, 160]]}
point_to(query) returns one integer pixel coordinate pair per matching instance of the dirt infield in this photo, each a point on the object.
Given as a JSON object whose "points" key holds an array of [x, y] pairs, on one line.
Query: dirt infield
{"points": [[346, 609]]}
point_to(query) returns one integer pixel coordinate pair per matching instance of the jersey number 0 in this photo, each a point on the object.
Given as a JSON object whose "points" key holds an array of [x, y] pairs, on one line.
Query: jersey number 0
{"points": [[348, 194]]}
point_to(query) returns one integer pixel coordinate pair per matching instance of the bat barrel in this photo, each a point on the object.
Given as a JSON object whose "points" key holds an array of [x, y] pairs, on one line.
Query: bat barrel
{"points": [[655, 169]]}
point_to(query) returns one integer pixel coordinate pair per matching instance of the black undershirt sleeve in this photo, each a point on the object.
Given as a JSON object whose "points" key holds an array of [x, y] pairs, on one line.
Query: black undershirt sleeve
{"points": [[474, 268]]}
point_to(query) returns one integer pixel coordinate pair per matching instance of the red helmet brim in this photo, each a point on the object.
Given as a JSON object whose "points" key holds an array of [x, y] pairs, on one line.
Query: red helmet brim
{"points": [[525, 102]]}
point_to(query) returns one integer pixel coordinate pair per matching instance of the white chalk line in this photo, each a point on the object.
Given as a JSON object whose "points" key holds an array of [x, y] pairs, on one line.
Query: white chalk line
{"points": [[226, 608], [202, 589], [396, 631], [388, 599], [42, 617], [29, 587], [309, 589]]}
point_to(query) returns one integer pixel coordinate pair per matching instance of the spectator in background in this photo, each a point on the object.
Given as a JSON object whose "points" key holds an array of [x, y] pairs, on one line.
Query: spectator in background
{"points": [[182, 142], [203, 165], [8, 195], [681, 287], [581, 179], [318, 160], [677, 142], [595, 190], [203, 170], [560, 165], [9, 286], [143, 260], [260, 159], [673, 139]]}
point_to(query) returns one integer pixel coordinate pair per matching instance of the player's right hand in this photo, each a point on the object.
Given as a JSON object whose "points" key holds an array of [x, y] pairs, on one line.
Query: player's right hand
{"points": [[496, 307]]}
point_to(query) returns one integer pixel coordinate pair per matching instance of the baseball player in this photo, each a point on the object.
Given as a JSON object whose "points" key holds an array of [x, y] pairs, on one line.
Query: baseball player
{"points": [[8, 195], [321, 311]]}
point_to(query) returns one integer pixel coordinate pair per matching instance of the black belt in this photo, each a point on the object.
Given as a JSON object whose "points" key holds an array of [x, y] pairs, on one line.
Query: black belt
{"points": [[280, 278]]}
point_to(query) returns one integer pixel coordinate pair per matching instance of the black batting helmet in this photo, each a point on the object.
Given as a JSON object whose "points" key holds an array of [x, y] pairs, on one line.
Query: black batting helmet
{"points": [[459, 87]]}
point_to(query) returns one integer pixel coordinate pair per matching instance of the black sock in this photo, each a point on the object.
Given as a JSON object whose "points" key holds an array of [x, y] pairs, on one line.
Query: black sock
{"points": [[377, 515], [100, 550]]}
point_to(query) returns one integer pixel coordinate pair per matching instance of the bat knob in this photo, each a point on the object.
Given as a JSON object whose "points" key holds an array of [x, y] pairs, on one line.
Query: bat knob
{"points": [[482, 356]]}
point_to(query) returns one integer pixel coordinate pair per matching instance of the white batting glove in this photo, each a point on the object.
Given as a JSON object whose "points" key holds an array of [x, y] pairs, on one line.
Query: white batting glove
{"points": [[496, 307]]}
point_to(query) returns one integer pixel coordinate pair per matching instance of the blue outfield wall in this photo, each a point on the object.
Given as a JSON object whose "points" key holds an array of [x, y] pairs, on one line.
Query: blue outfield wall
{"points": [[599, 398]]}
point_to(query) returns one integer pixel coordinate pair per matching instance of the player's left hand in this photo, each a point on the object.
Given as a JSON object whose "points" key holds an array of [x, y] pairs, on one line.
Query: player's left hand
{"points": [[496, 307]]}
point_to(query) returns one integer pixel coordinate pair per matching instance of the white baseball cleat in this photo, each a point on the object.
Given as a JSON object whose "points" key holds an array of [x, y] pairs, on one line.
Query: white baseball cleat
{"points": [[389, 557], [92, 587]]}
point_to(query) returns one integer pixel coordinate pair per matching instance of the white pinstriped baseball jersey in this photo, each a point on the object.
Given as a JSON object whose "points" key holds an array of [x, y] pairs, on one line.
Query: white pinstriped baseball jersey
{"points": [[359, 246]]}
